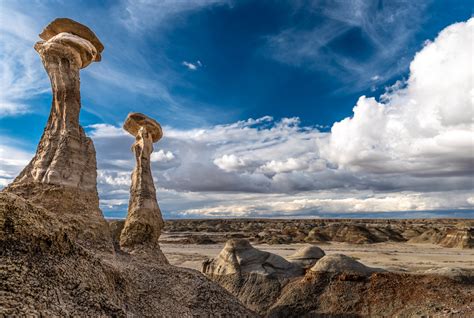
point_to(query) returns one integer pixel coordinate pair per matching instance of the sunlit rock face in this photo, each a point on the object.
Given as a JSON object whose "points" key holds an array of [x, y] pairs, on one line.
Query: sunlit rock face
{"points": [[239, 257], [144, 222], [256, 277], [62, 175]]}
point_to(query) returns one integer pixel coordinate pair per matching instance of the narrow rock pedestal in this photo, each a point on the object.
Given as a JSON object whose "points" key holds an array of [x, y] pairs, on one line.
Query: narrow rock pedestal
{"points": [[62, 175], [144, 222]]}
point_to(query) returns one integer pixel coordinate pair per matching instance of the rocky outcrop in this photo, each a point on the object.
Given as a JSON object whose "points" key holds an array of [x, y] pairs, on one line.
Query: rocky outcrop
{"points": [[256, 277], [387, 294], [44, 272], [144, 222], [61, 177], [239, 257], [460, 237], [306, 256], [338, 285], [432, 236], [56, 249]]}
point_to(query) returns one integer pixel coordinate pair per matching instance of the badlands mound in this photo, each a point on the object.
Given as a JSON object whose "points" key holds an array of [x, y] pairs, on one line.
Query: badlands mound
{"points": [[338, 286], [254, 276], [339, 263], [306, 256], [445, 232]]}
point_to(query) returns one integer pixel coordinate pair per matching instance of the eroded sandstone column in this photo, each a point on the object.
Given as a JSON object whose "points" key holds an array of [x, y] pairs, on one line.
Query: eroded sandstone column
{"points": [[144, 222], [62, 175], [65, 156]]}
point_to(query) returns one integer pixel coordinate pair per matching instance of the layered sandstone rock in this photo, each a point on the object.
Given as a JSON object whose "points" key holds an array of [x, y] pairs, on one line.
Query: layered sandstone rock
{"points": [[144, 222], [462, 236], [65, 156], [61, 177]]}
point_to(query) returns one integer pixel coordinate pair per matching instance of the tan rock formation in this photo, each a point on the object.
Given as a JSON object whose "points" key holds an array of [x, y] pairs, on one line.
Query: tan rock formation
{"points": [[239, 257], [45, 273], [256, 277], [340, 263], [62, 175], [306, 256], [387, 294], [143, 225]]}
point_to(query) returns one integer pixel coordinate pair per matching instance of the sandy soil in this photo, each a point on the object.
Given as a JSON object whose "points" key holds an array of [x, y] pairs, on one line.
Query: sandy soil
{"points": [[391, 256]]}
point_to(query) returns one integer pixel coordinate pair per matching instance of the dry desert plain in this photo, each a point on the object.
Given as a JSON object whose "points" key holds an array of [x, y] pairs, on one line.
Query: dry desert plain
{"points": [[413, 245]]}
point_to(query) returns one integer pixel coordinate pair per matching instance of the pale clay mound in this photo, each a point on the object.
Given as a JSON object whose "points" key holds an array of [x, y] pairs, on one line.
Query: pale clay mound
{"points": [[254, 276], [306, 256], [339, 263], [239, 257], [57, 253], [338, 285]]}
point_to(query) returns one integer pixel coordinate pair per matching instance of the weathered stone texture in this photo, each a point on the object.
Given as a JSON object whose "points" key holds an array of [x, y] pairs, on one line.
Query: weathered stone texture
{"points": [[144, 222], [62, 175]]}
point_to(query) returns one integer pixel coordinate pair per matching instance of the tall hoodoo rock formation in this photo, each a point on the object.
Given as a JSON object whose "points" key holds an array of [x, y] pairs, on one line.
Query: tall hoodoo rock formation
{"points": [[56, 250], [65, 156], [62, 175], [143, 225]]}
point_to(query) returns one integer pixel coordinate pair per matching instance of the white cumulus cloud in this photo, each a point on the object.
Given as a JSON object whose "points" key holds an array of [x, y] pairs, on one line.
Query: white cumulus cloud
{"points": [[409, 150], [424, 127]]}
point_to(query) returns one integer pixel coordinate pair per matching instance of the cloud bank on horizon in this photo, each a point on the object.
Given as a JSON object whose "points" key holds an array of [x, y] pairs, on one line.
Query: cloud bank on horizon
{"points": [[410, 149]]}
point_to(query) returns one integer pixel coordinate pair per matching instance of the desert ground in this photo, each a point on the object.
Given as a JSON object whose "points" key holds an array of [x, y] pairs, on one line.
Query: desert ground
{"points": [[390, 256], [395, 245]]}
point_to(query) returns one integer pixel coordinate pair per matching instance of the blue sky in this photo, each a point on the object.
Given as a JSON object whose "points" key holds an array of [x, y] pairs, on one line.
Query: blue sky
{"points": [[260, 102]]}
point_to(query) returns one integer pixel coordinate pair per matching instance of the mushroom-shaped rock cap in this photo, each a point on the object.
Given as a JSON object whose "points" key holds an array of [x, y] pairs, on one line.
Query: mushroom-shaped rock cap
{"points": [[70, 26], [135, 121]]}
